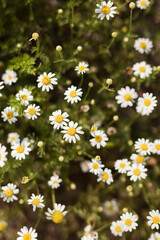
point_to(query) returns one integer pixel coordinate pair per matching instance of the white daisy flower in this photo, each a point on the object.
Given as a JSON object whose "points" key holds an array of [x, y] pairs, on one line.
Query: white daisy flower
{"points": [[110, 208], [71, 132], [129, 221], [105, 176], [27, 234], [155, 236], [3, 154], [36, 201], [32, 111], [146, 104], [105, 10], [13, 137], [156, 146], [25, 96], [57, 214], [93, 128], [1, 87], [8, 192], [154, 219], [85, 166], [136, 158], [9, 77], [143, 4], [117, 228], [73, 95], [3, 225], [58, 119], [30, 141], [95, 166], [82, 67], [142, 69], [54, 182], [126, 97], [143, 146], [122, 165], [143, 45], [88, 237], [46, 81], [35, 36], [20, 150], [9, 114], [99, 139], [137, 172]]}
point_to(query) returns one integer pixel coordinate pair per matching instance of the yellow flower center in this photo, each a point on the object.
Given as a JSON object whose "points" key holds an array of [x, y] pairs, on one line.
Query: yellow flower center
{"points": [[57, 217], [31, 111], [2, 226], [140, 159], [157, 239], [9, 77], [35, 36], [127, 97], [128, 222], [9, 193], [136, 172], [98, 138], [143, 3], [24, 97], [144, 147], [122, 165], [0, 156], [9, 115], [81, 68], [13, 138], [73, 94], [36, 201], [105, 176], [147, 102], [93, 129], [157, 146], [20, 149], [105, 10], [27, 236], [71, 131], [46, 80], [95, 165], [142, 69], [117, 228], [156, 219], [54, 182], [143, 45], [59, 118], [110, 208]]}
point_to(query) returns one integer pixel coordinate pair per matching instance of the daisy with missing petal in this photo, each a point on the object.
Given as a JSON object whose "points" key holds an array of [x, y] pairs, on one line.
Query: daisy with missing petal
{"points": [[129, 221], [32, 111], [155, 236], [57, 214], [1, 87], [105, 10], [142, 69], [105, 176], [36, 201], [143, 45], [13, 137], [117, 228], [156, 146], [122, 165], [143, 146], [82, 67], [9, 114], [27, 234], [20, 150], [54, 182], [25, 96], [3, 154], [154, 219], [71, 132], [110, 208], [143, 4], [46, 81], [136, 158], [8, 192], [137, 172], [146, 104], [9, 77], [126, 97], [73, 95], [99, 139], [58, 119], [95, 166]]}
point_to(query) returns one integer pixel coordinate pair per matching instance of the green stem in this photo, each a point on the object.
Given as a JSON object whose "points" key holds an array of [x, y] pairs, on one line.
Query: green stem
{"points": [[88, 155], [53, 197], [39, 218], [86, 94], [130, 22], [133, 120], [81, 82], [38, 45], [103, 227]]}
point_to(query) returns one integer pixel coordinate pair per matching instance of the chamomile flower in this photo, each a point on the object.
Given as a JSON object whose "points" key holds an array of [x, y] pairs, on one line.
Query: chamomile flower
{"points": [[27, 234], [9, 114], [57, 214], [110, 208], [154, 219], [143, 45], [1, 87], [143, 4], [93, 128], [117, 228], [137, 172], [105, 176], [71, 132], [129, 221], [142, 69], [20, 150], [36, 201], [32, 111], [99, 139], [143, 146], [137, 158], [146, 104], [85, 166], [105, 10], [3, 225], [126, 97], [154, 236], [82, 68], [25, 96], [156, 146], [3, 154], [54, 182], [88, 237], [122, 165], [73, 95], [46, 81], [35, 36], [95, 166], [9, 77], [13, 137], [8, 192], [58, 119]]}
